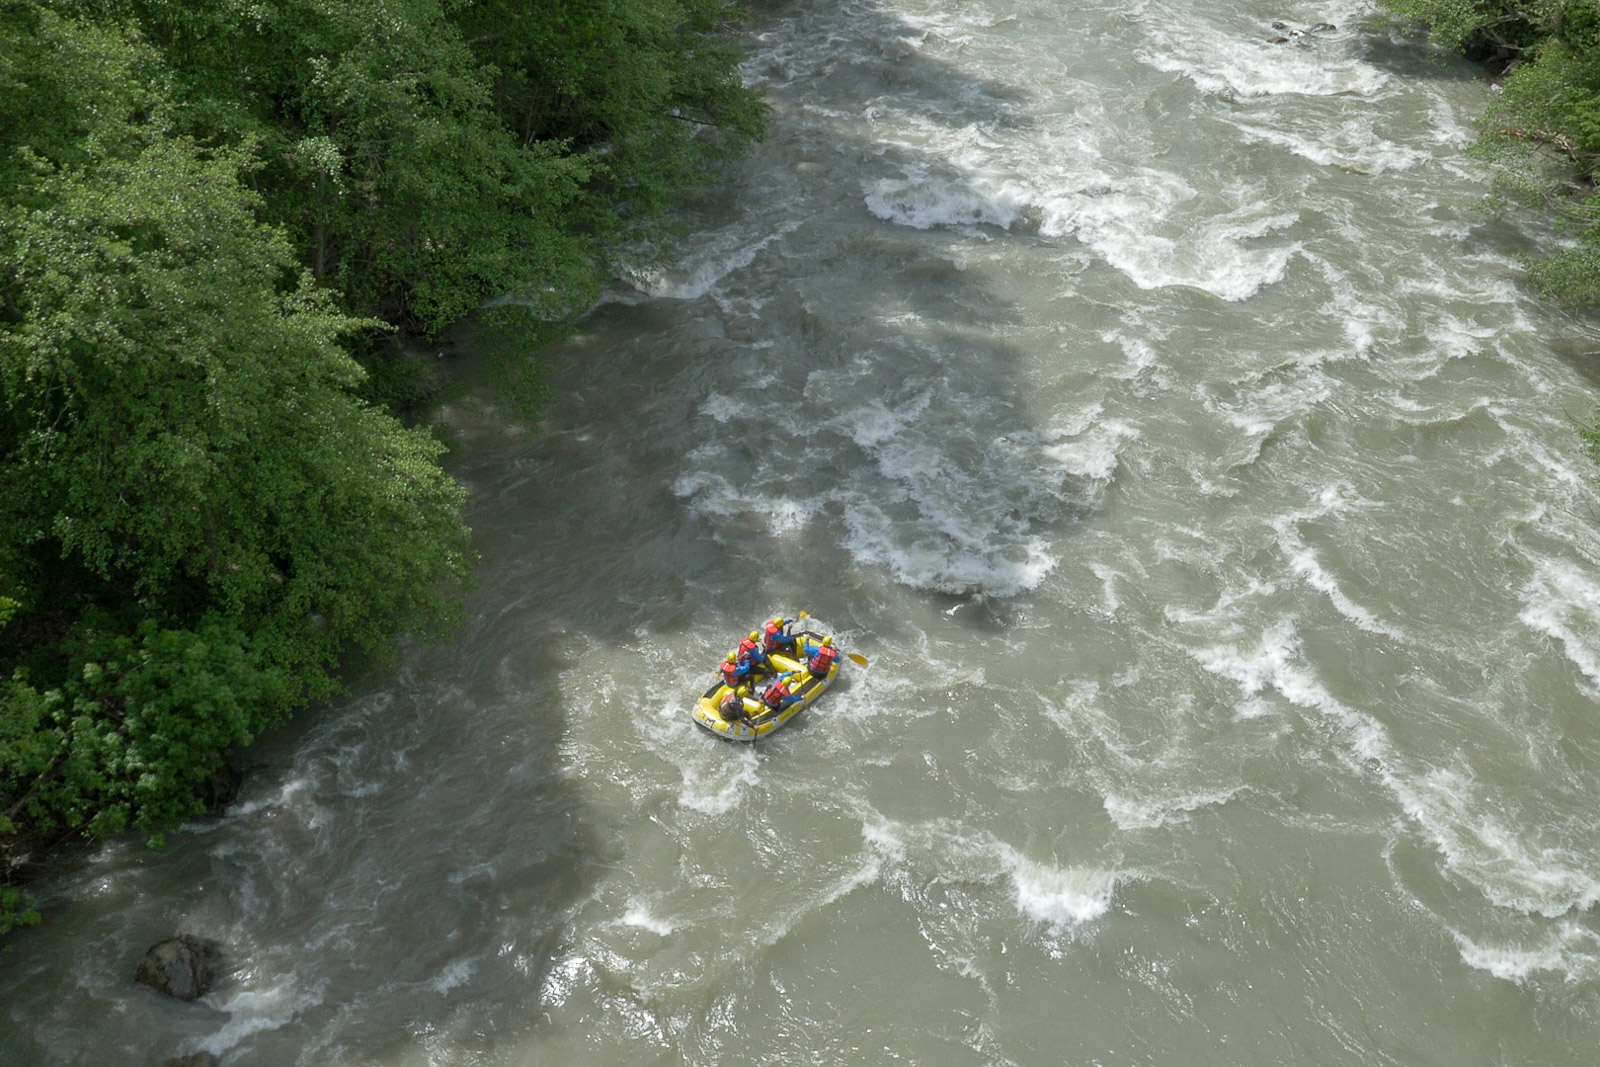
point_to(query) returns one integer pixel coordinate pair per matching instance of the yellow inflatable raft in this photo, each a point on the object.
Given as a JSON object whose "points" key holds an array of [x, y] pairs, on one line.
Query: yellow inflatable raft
{"points": [[759, 720]]}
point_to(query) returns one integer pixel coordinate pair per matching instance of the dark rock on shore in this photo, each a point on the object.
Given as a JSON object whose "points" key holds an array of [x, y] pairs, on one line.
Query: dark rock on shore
{"points": [[222, 786], [183, 966]]}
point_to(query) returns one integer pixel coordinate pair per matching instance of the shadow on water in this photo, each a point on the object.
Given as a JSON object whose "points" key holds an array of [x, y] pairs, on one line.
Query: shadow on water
{"points": [[1395, 47], [1575, 345], [398, 869], [594, 503], [893, 67]]}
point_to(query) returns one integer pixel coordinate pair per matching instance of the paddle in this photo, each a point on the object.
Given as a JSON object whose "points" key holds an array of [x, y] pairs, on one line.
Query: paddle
{"points": [[851, 656]]}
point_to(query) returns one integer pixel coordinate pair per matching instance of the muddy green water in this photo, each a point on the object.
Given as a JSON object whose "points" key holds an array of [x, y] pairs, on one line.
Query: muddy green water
{"points": [[1151, 407]]}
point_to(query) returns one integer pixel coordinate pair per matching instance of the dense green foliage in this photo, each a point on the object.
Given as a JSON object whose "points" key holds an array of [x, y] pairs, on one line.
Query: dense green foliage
{"points": [[1543, 127], [206, 206]]}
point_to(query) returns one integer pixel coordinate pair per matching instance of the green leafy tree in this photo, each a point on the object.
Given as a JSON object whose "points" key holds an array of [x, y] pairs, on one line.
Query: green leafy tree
{"points": [[183, 419], [203, 205], [429, 156], [648, 89], [190, 479], [1480, 28]]}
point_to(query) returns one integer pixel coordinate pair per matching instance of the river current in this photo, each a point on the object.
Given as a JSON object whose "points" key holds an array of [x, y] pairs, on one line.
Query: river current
{"points": [[1154, 409]]}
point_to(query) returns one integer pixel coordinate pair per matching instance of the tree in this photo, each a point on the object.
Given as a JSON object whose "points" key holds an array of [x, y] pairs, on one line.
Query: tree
{"points": [[188, 472], [427, 157], [202, 205]]}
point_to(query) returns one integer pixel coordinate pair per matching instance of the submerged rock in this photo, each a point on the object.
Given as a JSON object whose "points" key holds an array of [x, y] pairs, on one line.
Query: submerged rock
{"points": [[1297, 35], [182, 966]]}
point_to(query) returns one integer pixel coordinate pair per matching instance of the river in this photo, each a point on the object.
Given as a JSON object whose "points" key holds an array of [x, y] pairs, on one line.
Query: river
{"points": [[1152, 407]]}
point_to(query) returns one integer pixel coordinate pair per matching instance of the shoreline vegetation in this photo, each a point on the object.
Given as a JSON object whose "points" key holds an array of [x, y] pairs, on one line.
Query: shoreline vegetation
{"points": [[1541, 130], [212, 215]]}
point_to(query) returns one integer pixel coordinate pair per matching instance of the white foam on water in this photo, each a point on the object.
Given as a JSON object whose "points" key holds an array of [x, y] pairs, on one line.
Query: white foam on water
{"points": [[1260, 412], [1224, 616], [1237, 60], [1059, 897], [955, 27], [1142, 356], [947, 503], [720, 255], [1079, 710], [567, 974], [1570, 950], [1275, 663], [1452, 337], [776, 929], [638, 914], [1148, 223], [716, 785], [882, 835], [293, 792], [1540, 459], [1135, 226], [1308, 568], [945, 852], [253, 1010], [1351, 145], [1494, 850], [1109, 602], [455, 974], [1362, 311], [922, 201], [1562, 601], [713, 495], [1149, 812], [936, 563], [876, 421], [1498, 855], [982, 514], [1092, 453], [723, 408]]}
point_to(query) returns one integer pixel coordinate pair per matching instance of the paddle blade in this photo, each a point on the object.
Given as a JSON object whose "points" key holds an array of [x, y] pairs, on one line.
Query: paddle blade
{"points": [[853, 658]]}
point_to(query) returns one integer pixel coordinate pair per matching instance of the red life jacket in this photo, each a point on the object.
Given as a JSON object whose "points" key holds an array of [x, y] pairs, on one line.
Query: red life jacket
{"points": [[746, 648], [822, 659], [776, 638], [775, 694], [730, 673]]}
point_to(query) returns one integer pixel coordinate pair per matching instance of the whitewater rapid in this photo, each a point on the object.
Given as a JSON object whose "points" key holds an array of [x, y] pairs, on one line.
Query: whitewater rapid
{"points": [[1154, 408]]}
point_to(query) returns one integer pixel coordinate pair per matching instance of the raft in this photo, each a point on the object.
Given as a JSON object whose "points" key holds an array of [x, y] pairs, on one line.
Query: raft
{"points": [[760, 720]]}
